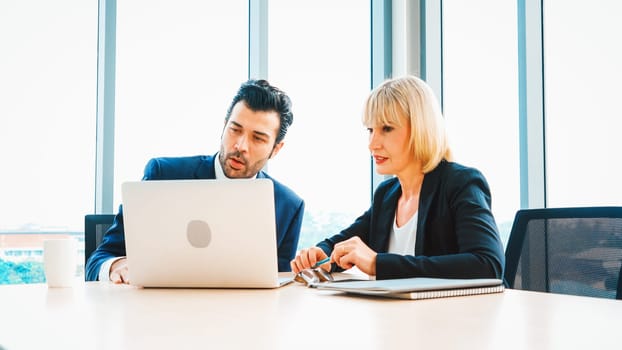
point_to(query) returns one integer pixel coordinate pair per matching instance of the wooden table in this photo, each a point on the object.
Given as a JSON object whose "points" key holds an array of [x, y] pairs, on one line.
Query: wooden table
{"points": [[97, 315]]}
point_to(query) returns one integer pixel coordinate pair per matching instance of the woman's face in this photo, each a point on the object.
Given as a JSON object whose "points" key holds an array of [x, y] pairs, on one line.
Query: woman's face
{"points": [[390, 149]]}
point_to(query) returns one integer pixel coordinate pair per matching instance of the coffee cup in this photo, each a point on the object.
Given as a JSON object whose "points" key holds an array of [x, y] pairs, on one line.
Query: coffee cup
{"points": [[59, 262]]}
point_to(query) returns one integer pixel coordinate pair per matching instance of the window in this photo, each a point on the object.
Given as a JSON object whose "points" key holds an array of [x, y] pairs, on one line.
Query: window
{"points": [[582, 90], [324, 65], [480, 96], [179, 64], [48, 72]]}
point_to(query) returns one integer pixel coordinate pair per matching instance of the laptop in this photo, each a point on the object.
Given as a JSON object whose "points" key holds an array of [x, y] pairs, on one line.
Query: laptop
{"points": [[201, 233]]}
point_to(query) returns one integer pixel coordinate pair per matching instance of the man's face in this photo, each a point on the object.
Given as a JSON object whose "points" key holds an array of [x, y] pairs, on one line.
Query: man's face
{"points": [[248, 141]]}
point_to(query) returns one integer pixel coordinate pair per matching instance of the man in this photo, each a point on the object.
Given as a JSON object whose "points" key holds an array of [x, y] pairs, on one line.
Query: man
{"points": [[255, 125]]}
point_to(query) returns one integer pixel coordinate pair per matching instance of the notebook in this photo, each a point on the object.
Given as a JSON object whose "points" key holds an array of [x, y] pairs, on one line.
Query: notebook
{"points": [[201, 233], [417, 288]]}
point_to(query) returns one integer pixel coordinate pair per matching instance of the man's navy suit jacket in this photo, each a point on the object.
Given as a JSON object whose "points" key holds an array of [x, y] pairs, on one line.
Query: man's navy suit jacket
{"points": [[288, 205]]}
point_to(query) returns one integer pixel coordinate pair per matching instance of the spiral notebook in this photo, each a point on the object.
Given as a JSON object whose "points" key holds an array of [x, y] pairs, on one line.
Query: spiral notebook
{"points": [[416, 288]]}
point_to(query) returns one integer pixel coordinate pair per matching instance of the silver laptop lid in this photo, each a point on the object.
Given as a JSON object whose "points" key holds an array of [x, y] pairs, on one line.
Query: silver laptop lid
{"points": [[201, 233]]}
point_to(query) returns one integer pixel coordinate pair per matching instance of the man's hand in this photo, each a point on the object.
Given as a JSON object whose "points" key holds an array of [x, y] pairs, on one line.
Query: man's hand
{"points": [[119, 272]]}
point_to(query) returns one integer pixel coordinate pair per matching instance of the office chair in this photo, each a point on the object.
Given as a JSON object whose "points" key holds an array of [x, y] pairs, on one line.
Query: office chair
{"points": [[95, 226], [575, 251]]}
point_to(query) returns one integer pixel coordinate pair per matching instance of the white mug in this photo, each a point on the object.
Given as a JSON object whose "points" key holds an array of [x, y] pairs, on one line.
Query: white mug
{"points": [[59, 261]]}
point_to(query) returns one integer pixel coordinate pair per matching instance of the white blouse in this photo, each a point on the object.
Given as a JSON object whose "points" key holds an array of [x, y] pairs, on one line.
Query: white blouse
{"points": [[402, 239]]}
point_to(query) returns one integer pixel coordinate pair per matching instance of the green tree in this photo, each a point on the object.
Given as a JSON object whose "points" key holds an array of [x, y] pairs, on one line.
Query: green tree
{"points": [[24, 272]]}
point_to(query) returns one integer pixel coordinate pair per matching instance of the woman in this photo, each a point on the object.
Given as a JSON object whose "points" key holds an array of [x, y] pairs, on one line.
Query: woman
{"points": [[433, 218]]}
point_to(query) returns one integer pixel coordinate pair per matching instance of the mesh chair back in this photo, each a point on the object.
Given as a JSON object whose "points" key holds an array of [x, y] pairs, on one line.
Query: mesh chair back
{"points": [[574, 251], [95, 226]]}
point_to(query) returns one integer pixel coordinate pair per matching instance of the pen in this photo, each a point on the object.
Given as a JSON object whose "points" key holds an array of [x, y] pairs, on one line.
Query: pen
{"points": [[321, 262]]}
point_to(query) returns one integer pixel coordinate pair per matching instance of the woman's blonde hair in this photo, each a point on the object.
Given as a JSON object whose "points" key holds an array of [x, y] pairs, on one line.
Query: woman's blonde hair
{"points": [[409, 101]]}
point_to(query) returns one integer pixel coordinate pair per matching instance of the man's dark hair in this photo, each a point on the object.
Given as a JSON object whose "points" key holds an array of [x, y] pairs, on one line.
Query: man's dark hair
{"points": [[259, 95]]}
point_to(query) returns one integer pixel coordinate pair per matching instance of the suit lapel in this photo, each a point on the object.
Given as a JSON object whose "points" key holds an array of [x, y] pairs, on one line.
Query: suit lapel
{"points": [[430, 183], [386, 217], [206, 168]]}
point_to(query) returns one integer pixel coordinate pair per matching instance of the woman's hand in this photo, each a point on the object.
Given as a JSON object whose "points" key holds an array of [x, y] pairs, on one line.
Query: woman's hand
{"points": [[353, 252], [306, 259]]}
